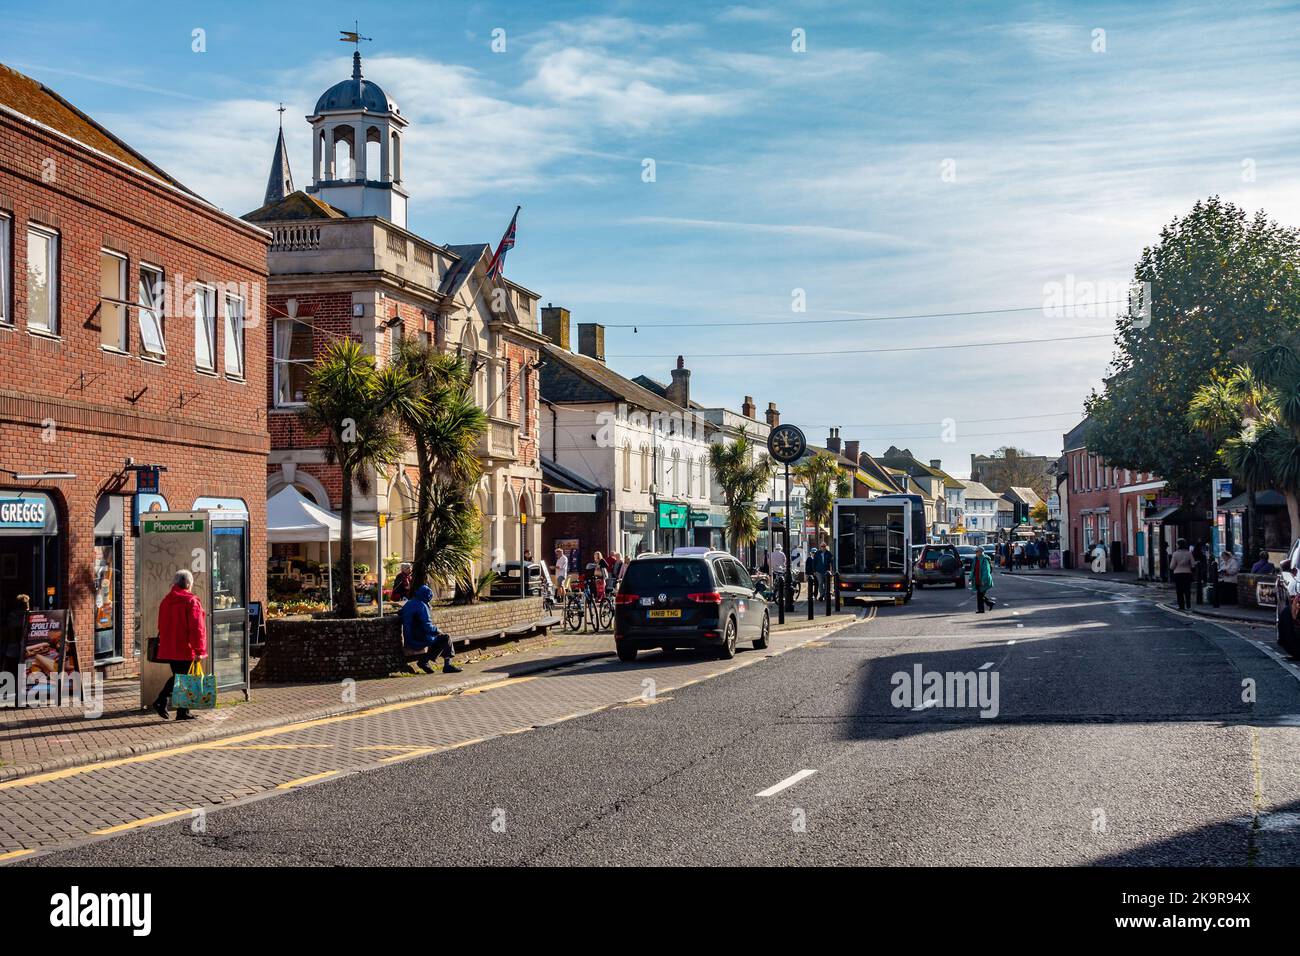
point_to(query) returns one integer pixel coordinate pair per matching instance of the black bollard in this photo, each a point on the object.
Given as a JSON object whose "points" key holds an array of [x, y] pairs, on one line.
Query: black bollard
{"points": [[838, 604], [780, 597], [810, 603], [831, 585]]}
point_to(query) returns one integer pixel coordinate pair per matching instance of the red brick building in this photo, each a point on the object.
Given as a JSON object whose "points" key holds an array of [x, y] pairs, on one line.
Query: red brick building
{"points": [[1118, 507], [343, 263], [123, 303]]}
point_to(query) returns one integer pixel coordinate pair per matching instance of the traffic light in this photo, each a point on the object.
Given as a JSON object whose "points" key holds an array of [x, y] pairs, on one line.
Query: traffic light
{"points": [[1022, 512]]}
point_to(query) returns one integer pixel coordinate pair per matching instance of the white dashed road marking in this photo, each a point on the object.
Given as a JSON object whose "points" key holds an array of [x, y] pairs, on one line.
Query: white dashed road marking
{"points": [[788, 782]]}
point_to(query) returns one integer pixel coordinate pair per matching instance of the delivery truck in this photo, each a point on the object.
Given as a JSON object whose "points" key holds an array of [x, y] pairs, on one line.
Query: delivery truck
{"points": [[873, 547]]}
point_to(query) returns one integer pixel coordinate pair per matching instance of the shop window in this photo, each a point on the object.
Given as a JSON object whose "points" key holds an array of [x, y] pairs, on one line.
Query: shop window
{"points": [[112, 300], [43, 279], [234, 337], [293, 358], [108, 598], [152, 288], [6, 270]]}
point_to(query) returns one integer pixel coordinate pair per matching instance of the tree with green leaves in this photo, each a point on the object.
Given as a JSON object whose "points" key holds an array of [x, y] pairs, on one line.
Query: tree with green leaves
{"points": [[1218, 279], [1252, 417], [359, 408], [1040, 514], [820, 475], [445, 431], [742, 475]]}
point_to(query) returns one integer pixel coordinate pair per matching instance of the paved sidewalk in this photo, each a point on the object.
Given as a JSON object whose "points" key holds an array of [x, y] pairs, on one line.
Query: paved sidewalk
{"points": [[40, 739]]}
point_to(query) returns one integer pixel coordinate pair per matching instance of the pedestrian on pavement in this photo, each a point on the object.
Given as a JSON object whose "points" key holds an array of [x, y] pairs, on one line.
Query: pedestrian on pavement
{"points": [[1031, 554], [822, 567], [615, 567], [600, 574], [1200, 554], [1010, 557], [777, 563], [402, 583], [1263, 565], [561, 569], [182, 637], [13, 634], [1182, 568], [421, 635], [981, 580], [1164, 559]]}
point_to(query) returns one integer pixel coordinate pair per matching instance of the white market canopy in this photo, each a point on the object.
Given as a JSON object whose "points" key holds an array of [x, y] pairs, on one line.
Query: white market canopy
{"points": [[293, 518]]}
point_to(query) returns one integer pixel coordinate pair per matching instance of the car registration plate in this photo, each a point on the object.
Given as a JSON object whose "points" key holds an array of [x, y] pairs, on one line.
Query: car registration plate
{"points": [[930, 565], [661, 614]]}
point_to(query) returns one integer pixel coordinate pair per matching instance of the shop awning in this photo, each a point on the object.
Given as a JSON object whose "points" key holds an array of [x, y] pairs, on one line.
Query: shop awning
{"points": [[1164, 514], [570, 502], [1263, 499], [293, 518]]}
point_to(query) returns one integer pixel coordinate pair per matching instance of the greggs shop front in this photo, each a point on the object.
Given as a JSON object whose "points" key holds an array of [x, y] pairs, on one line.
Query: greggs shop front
{"points": [[30, 550]]}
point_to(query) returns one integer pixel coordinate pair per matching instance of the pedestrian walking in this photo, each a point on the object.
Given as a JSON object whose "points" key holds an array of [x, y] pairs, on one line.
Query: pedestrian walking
{"points": [[182, 638], [1200, 555], [1182, 568], [1010, 558], [561, 569], [822, 565], [981, 581], [1164, 559], [402, 583], [420, 634]]}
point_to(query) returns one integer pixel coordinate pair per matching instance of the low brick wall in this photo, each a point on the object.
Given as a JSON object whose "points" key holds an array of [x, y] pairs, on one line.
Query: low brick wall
{"points": [[329, 649]]}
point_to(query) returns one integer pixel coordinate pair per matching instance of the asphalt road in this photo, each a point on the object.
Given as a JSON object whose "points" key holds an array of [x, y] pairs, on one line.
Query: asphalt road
{"points": [[1120, 734]]}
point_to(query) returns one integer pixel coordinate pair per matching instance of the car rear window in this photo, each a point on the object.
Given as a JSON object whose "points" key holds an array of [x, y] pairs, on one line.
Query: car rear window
{"points": [[665, 575], [932, 554]]}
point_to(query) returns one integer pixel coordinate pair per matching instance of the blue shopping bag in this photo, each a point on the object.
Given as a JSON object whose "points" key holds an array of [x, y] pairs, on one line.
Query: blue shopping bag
{"points": [[195, 690]]}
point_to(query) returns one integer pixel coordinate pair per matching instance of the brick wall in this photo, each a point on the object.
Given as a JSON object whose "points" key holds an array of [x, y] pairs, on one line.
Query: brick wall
{"points": [[68, 404], [328, 649]]}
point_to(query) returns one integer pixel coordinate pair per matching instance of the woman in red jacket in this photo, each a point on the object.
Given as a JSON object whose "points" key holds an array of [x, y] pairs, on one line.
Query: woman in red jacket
{"points": [[182, 637]]}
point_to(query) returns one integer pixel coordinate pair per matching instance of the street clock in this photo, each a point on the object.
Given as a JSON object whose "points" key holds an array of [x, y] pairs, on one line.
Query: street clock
{"points": [[786, 443]]}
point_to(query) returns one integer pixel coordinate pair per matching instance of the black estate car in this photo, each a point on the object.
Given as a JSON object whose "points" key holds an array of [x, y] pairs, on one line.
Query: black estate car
{"points": [[698, 600]]}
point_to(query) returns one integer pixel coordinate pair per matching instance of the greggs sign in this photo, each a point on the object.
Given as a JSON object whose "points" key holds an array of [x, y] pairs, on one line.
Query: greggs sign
{"points": [[22, 513]]}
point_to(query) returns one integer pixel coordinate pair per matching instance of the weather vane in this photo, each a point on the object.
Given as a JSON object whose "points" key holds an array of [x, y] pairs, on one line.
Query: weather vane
{"points": [[353, 35]]}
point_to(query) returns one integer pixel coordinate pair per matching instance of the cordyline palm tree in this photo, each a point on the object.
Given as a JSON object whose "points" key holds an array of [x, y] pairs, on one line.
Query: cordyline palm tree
{"points": [[742, 477], [359, 408], [820, 474], [1253, 415], [446, 433]]}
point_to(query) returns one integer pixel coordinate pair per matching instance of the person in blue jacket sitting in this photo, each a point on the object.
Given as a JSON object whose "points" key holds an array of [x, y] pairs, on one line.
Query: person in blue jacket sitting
{"points": [[419, 633]]}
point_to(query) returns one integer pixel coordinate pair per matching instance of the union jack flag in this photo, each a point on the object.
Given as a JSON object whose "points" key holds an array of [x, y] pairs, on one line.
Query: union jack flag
{"points": [[498, 264]]}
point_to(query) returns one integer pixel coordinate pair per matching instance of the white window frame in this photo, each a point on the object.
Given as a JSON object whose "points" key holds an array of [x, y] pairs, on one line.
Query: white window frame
{"points": [[153, 312], [233, 337], [52, 271], [205, 326], [6, 269], [123, 278], [280, 361]]}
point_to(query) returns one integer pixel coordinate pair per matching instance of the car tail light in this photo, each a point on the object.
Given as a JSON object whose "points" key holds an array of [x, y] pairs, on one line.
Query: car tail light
{"points": [[621, 598], [705, 597]]}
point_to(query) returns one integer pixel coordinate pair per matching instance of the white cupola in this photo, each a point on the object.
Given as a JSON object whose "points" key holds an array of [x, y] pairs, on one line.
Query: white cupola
{"points": [[357, 149]]}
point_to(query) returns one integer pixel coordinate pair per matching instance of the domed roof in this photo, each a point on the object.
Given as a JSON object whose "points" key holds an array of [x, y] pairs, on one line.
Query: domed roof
{"points": [[356, 94]]}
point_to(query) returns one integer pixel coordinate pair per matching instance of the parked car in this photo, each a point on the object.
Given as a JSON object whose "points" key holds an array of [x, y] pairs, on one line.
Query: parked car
{"points": [[507, 583], [967, 555], [940, 564], [698, 600]]}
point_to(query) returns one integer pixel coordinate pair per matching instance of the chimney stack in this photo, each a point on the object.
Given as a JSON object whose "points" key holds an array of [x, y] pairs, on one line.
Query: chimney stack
{"points": [[555, 325], [591, 340], [773, 416], [747, 407], [679, 390], [935, 462], [851, 451], [833, 441]]}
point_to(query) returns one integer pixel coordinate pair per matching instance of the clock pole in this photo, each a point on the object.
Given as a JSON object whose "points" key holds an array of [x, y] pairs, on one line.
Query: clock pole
{"points": [[787, 595]]}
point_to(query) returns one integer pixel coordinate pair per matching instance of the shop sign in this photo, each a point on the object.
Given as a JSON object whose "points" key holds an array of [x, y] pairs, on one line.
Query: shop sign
{"points": [[699, 517], [186, 525], [22, 513], [672, 516]]}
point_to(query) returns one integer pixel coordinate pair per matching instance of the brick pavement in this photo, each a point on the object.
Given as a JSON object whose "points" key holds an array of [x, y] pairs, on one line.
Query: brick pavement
{"points": [[35, 740], [184, 779]]}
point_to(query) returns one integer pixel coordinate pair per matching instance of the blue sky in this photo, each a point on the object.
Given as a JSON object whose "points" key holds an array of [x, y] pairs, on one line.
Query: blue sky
{"points": [[775, 170]]}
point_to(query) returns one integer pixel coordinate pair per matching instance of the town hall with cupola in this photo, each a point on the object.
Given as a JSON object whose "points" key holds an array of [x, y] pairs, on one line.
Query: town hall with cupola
{"points": [[343, 262]]}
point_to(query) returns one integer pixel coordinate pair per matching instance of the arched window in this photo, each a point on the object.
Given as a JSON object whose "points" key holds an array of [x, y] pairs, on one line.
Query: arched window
{"points": [[344, 153], [690, 478], [645, 468], [677, 472], [374, 158], [627, 466]]}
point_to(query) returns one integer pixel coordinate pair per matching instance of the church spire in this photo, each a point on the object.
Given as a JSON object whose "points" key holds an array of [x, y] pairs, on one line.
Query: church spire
{"points": [[280, 183]]}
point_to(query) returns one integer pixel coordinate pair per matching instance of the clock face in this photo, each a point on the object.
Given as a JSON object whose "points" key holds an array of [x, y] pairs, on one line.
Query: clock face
{"points": [[786, 443]]}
